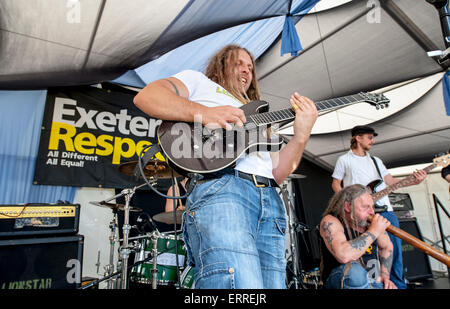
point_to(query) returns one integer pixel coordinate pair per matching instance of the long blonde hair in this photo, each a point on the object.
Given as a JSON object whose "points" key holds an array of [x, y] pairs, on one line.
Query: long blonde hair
{"points": [[219, 70]]}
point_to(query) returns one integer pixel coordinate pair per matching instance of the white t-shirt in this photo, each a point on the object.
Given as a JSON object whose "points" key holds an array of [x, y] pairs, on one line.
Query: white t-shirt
{"points": [[354, 169], [204, 91]]}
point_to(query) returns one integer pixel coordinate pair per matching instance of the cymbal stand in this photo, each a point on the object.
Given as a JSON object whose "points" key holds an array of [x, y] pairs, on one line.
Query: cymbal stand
{"points": [[155, 255], [125, 252], [109, 269]]}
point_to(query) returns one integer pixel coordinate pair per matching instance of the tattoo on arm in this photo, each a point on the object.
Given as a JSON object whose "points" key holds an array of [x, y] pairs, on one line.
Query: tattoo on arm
{"points": [[327, 233], [387, 262], [360, 242], [372, 236], [173, 85]]}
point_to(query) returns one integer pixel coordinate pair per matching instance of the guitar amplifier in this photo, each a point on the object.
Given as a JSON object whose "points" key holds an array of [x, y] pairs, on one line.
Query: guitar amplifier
{"points": [[401, 201], [39, 219], [416, 263]]}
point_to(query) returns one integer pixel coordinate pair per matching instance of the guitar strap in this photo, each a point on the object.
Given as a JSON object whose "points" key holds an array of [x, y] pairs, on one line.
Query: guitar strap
{"points": [[378, 169], [376, 165]]}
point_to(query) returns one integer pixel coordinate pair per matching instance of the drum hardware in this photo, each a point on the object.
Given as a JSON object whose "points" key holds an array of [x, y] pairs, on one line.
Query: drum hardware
{"points": [[125, 251], [296, 176], [148, 222], [164, 268], [155, 257], [116, 274], [115, 207], [153, 169], [168, 217], [109, 269], [147, 269], [294, 227], [151, 172]]}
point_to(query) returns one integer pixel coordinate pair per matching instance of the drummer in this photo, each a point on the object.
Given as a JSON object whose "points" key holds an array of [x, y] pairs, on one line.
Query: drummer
{"points": [[180, 190]]}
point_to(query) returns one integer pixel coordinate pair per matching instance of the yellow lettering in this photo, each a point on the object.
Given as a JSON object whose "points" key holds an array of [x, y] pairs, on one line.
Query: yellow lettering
{"points": [[118, 149], [107, 147], [87, 143], [85, 139], [66, 137]]}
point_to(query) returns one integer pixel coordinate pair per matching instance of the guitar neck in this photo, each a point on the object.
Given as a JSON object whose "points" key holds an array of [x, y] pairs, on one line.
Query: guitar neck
{"points": [[288, 114], [403, 183]]}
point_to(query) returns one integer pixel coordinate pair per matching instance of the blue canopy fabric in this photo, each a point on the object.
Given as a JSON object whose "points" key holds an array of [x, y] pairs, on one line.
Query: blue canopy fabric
{"points": [[290, 43], [256, 36], [21, 115], [446, 90]]}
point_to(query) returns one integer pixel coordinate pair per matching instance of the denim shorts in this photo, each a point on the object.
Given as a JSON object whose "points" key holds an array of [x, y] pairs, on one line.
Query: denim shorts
{"points": [[235, 234]]}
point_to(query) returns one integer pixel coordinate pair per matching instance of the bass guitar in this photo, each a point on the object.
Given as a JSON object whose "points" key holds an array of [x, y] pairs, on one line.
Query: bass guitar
{"points": [[193, 148], [442, 160]]}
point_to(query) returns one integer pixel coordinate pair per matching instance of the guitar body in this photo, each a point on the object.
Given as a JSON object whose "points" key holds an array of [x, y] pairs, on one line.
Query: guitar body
{"points": [[193, 148], [374, 184]]}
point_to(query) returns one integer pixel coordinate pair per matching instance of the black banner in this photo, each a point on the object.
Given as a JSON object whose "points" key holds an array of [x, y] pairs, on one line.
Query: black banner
{"points": [[87, 133]]}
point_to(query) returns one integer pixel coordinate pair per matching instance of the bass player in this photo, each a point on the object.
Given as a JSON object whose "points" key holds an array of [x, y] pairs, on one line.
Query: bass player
{"points": [[357, 166]]}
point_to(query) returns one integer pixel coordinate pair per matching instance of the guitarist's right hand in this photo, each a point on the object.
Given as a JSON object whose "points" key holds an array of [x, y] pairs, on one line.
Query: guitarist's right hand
{"points": [[221, 117]]}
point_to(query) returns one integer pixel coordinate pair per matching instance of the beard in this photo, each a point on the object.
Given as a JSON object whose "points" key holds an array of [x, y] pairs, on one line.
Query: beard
{"points": [[366, 147], [362, 223]]}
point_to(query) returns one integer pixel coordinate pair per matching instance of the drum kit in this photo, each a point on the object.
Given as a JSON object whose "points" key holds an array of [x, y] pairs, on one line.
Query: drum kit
{"points": [[159, 257]]}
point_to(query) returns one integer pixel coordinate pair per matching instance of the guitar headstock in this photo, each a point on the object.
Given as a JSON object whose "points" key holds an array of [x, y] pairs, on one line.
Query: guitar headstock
{"points": [[443, 160], [375, 99]]}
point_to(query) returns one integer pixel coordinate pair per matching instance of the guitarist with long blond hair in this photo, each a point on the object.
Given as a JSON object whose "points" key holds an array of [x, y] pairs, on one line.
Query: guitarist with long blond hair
{"points": [[357, 166], [234, 225]]}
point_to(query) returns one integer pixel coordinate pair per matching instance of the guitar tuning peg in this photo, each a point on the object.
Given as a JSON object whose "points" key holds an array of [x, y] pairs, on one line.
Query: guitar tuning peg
{"points": [[377, 106]]}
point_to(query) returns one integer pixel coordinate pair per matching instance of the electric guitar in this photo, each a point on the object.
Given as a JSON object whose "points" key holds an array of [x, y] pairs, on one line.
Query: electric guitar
{"points": [[193, 148], [443, 160]]}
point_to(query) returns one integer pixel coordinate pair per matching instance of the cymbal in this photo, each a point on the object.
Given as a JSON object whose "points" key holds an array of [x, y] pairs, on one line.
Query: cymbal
{"points": [[291, 176], [155, 169], [115, 207], [167, 217]]}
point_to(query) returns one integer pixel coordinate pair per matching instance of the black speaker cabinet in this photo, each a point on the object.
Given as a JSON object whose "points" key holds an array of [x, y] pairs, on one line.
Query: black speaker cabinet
{"points": [[41, 263], [401, 201], [416, 263]]}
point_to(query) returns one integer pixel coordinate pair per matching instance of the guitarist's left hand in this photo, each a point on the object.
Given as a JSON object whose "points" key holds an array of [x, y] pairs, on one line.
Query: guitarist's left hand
{"points": [[286, 161], [305, 116], [420, 176]]}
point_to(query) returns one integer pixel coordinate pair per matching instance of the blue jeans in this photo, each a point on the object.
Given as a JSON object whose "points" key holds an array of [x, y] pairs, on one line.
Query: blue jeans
{"points": [[235, 235], [397, 262], [355, 277]]}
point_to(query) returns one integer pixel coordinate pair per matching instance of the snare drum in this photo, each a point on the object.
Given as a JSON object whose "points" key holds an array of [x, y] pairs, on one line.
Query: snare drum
{"points": [[166, 261]]}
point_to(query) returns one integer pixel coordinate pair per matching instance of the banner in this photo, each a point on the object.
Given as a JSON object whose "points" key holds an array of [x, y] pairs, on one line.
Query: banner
{"points": [[87, 133]]}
